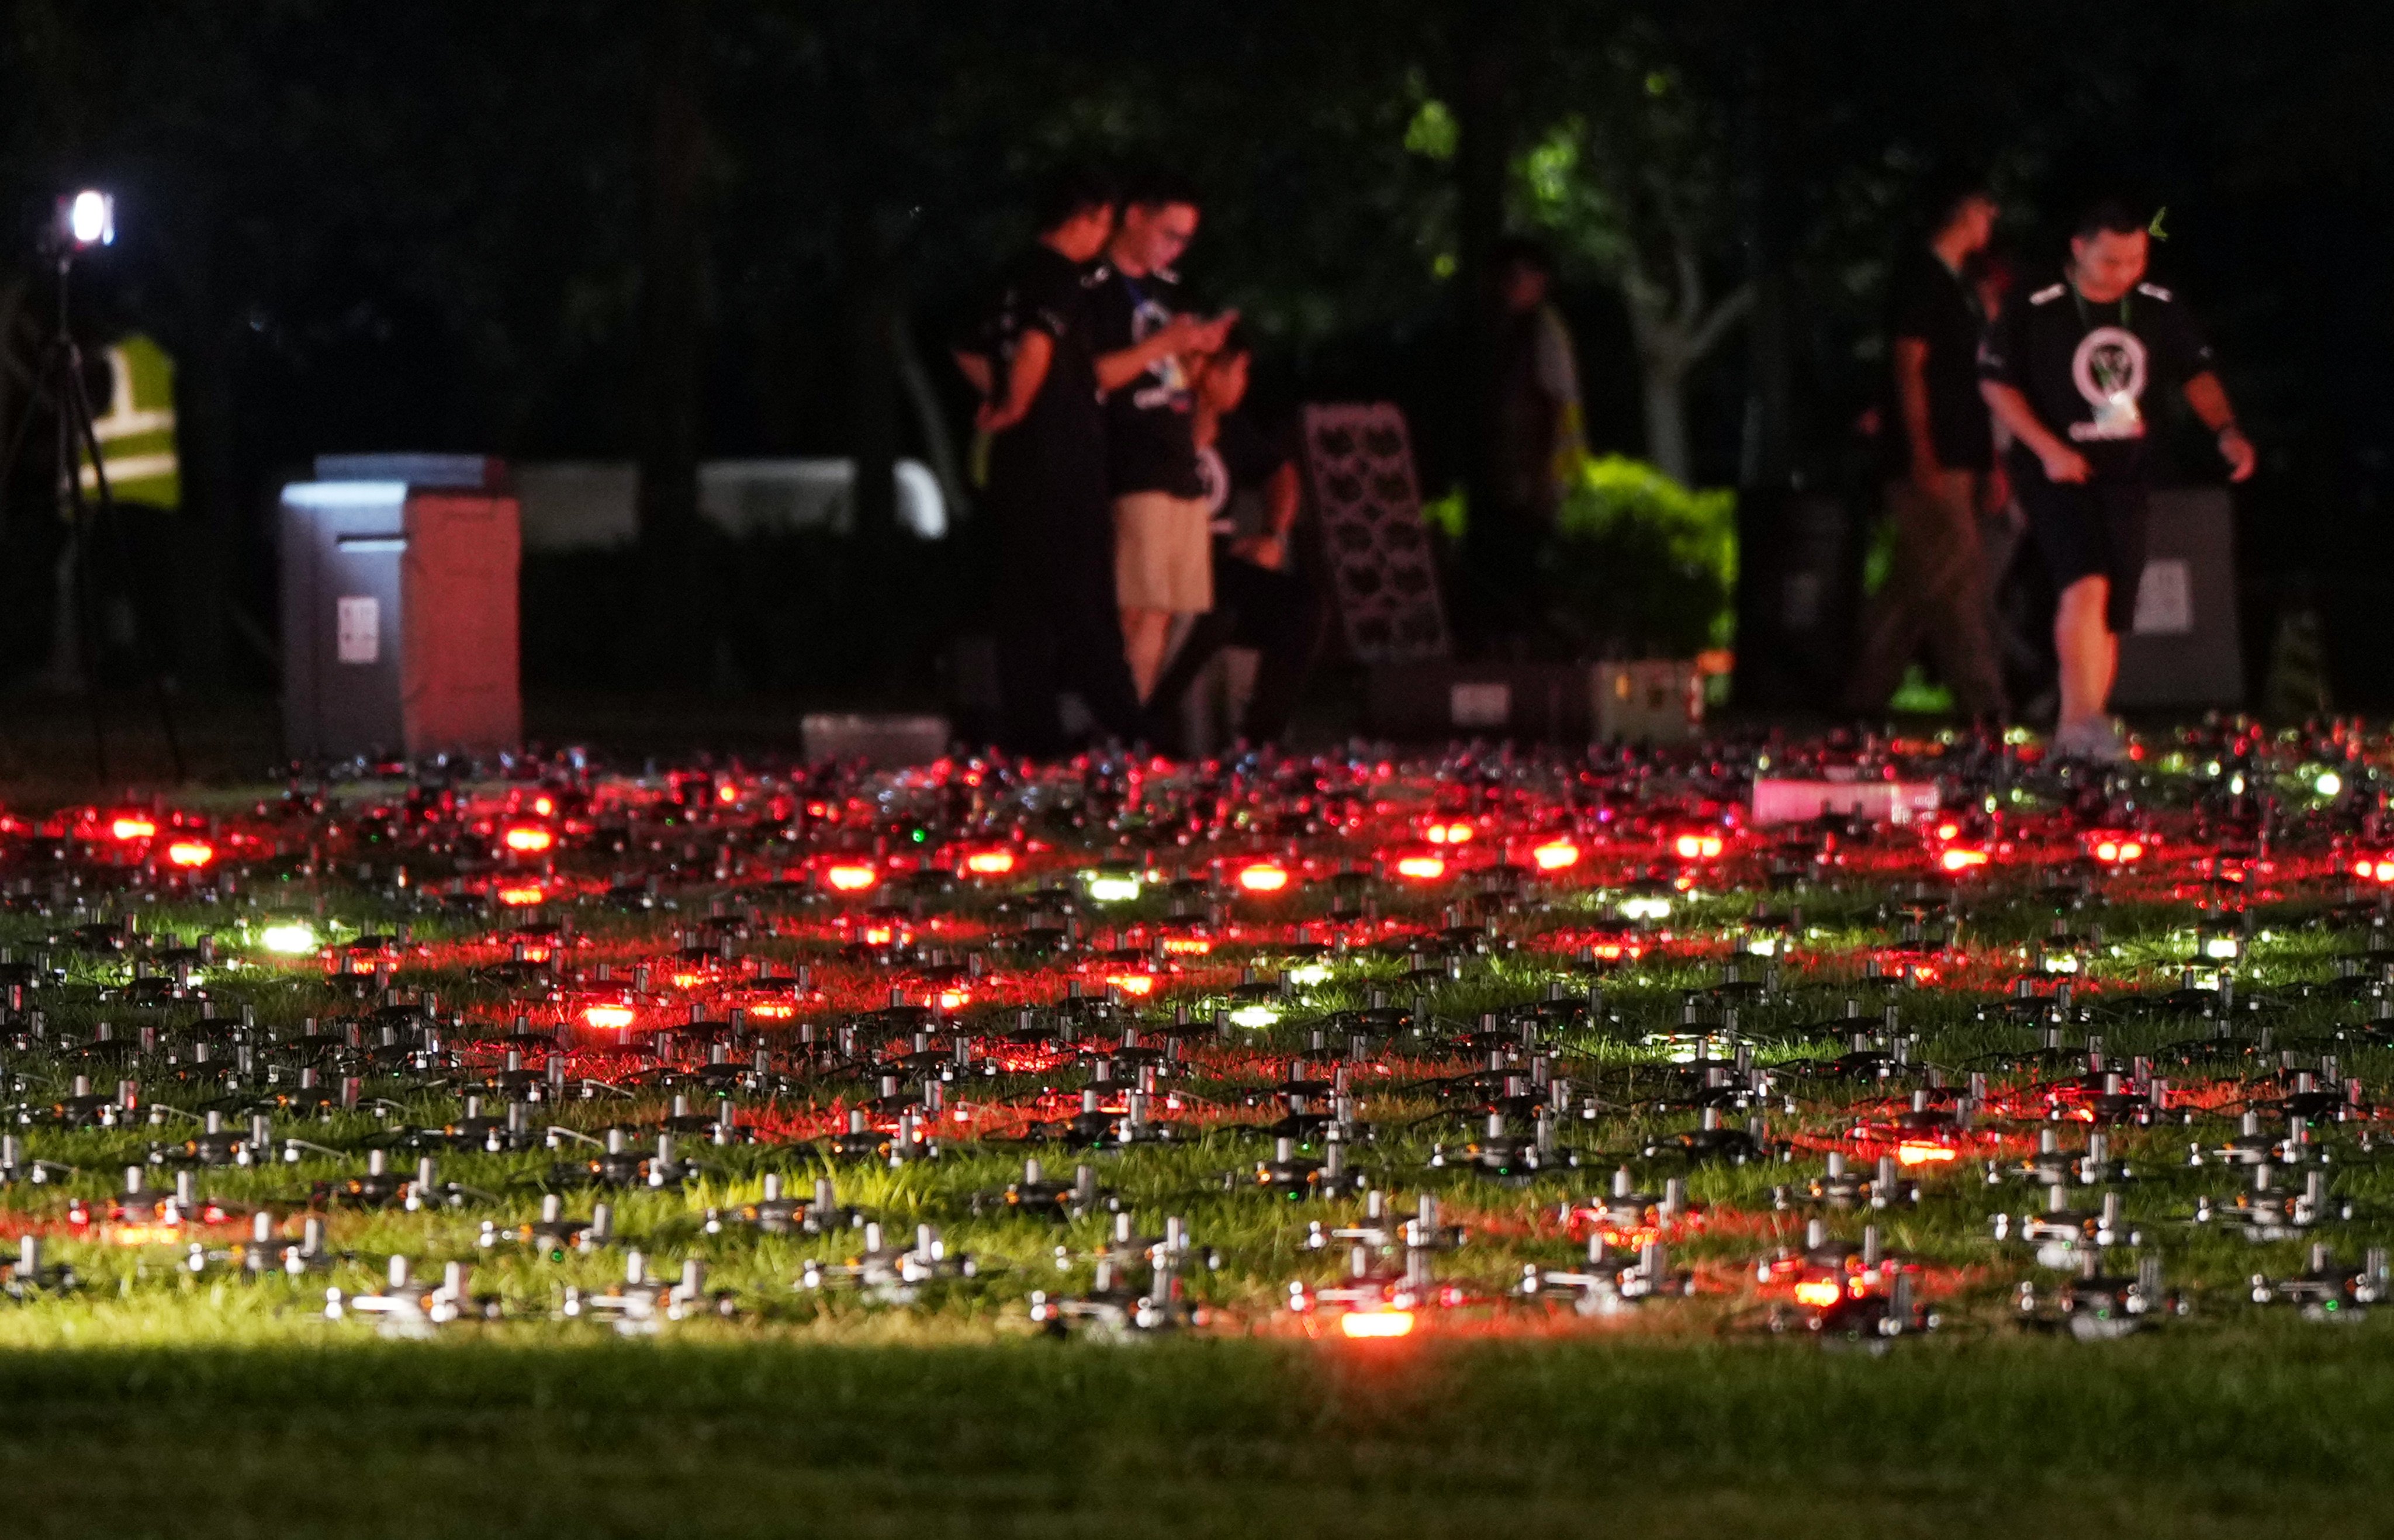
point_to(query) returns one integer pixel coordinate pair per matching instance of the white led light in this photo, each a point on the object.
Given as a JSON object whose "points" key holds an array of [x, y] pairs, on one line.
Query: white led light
{"points": [[91, 218], [291, 940]]}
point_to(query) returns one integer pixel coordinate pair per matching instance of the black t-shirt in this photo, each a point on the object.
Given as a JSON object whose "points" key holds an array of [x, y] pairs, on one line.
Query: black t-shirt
{"points": [[1148, 446], [2090, 370], [1057, 452], [1233, 470], [1928, 303]]}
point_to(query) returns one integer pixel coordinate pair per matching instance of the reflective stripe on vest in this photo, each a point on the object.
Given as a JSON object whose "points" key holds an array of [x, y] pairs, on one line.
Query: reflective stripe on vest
{"points": [[137, 433]]}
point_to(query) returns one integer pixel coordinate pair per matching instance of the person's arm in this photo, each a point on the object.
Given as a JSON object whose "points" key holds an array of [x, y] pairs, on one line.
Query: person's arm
{"points": [[1911, 405], [2062, 463], [1182, 333], [975, 368], [1032, 352], [1268, 548], [2209, 399]]}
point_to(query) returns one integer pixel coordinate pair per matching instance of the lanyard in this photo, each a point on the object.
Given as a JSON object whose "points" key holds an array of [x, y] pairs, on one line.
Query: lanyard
{"points": [[2086, 322]]}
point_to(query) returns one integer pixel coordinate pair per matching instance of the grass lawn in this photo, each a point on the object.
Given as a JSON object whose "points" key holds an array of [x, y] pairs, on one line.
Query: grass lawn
{"points": [[2267, 1429]]}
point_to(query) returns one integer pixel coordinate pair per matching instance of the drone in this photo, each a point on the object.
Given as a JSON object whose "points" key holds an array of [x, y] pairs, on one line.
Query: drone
{"points": [[409, 1309]]}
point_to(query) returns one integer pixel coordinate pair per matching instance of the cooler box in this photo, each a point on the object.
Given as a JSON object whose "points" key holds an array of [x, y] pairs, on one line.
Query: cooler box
{"points": [[399, 609], [1654, 701]]}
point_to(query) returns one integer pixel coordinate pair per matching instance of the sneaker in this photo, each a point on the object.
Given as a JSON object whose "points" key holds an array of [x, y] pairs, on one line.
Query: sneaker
{"points": [[2098, 742]]}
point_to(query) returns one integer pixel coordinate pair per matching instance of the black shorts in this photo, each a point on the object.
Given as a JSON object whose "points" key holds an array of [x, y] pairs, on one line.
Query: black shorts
{"points": [[2095, 529]]}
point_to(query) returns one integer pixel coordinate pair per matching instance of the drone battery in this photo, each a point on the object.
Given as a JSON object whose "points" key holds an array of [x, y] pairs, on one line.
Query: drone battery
{"points": [[399, 619]]}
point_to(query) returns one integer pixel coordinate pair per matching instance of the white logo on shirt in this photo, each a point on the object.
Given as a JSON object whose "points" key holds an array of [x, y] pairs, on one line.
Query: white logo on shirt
{"points": [[2109, 370]]}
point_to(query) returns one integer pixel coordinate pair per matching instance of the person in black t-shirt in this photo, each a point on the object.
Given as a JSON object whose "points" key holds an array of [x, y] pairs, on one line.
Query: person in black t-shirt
{"points": [[1941, 450], [2069, 372], [1162, 564], [1032, 356], [1261, 598]]}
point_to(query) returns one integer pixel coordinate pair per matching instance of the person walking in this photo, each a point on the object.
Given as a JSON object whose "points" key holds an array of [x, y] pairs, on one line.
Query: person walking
{"points": [[1033, 357], [1162, 560], [1940, 472], [2070, 372]]}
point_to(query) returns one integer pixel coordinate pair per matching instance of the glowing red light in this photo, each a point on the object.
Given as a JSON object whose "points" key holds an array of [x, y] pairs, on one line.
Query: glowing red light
{"points": [[191, 853], [1376, 1325], [850, 876], [132, 828], [1263, 877], [1961, 858], [529, 840], [543, 806], [1421, 868], [522, 898], [1448, 833], [2375, 869], [1922, 1152], [727, 793], [773, 1010], [2116, 850], [990, 863], [1142, 984], [1555, 855], [1702, 846], [1186, 946], [1819, 1293], [607, 1018]]}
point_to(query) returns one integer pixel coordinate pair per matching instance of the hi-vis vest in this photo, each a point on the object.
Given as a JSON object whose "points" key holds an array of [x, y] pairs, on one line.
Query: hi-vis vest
{"points": [[137, 432]]}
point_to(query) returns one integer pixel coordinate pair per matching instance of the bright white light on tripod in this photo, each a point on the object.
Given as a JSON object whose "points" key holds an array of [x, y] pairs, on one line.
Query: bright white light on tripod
{"points": [[91, 218]]}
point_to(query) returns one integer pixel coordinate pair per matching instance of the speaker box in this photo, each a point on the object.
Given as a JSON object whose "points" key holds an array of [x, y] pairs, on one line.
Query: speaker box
{"points": [[2184, 649]]}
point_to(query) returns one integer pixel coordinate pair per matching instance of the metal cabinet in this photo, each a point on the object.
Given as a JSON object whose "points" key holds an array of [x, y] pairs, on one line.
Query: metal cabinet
{"points": [[399, 620]]}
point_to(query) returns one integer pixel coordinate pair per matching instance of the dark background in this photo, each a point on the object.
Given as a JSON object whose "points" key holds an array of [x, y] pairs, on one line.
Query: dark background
{"points": [[681, 228]]}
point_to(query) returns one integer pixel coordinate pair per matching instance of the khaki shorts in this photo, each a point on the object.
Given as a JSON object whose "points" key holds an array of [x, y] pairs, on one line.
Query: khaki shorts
{"points": [[1164, 555]]}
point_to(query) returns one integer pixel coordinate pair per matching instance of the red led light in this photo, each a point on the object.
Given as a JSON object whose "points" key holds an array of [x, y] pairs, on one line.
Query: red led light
{"points": [[2116, 850], [1263, 877], [529, 840], [990, 863], [1140, 984], [543, 806], [1555, 855], [132, 828], [522, 898], [1421, 868], [1962, 858], [1701, 845], [850, 876], [1186, 946], [607, 1018], [1922, 1152], [726, 793], [2375, 869], [191, 853], [1448, 833], [1819, 1293]]}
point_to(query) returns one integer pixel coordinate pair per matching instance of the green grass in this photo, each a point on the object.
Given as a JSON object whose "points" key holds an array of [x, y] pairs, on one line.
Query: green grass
{"points": [[2281, 1428]]}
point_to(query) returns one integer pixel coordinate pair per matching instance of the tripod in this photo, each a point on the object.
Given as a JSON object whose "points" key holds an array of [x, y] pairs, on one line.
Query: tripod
{"points": [[89, 514]]}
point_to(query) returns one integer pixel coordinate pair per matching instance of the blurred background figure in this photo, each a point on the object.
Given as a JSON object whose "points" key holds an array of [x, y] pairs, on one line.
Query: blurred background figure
{"points": [[1539, 442], [1162, 561], [1030, 355], [1941, 461], [2068, 372], [1263, 597]]}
